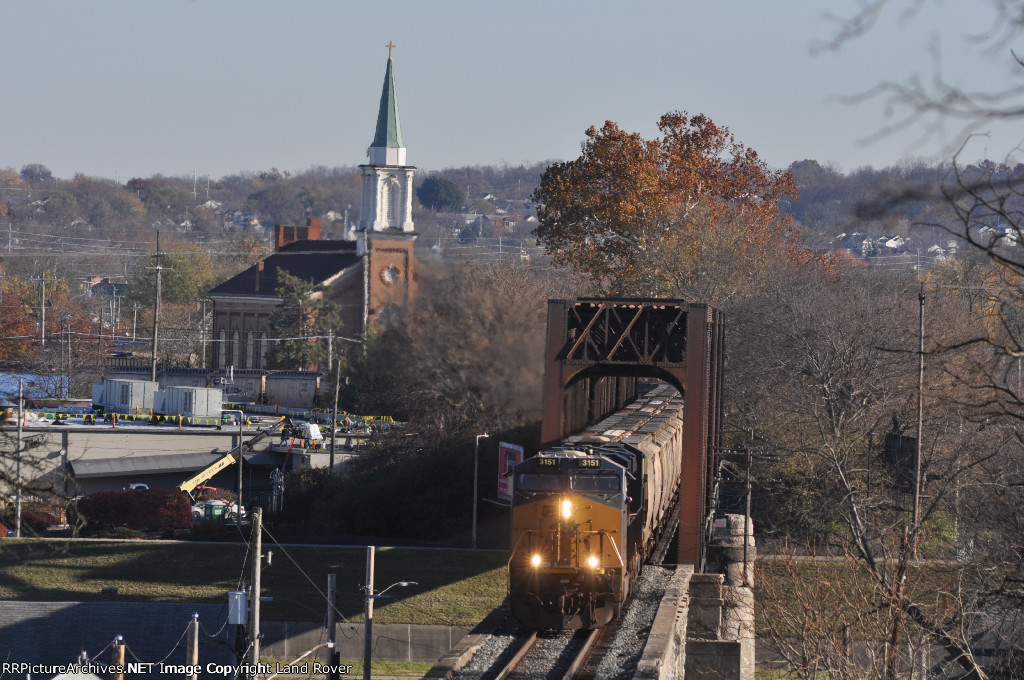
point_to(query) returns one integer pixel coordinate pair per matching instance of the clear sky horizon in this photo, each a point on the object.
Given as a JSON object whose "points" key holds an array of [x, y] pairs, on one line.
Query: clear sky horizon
{"points": [[113, 88]]}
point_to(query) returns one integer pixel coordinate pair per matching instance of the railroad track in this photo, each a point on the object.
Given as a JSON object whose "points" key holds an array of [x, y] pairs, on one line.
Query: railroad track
{"points": [[550, 655]]}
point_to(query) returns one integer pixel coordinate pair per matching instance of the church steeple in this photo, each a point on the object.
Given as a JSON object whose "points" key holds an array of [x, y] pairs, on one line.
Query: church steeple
{"points": [[386, 202], [387, 147]]}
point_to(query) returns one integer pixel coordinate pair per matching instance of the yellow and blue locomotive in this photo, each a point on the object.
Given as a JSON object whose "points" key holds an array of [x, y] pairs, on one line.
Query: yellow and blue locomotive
{"points": [[586, 514]]}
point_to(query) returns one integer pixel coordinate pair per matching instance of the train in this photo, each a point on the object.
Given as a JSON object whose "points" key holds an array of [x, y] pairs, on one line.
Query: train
{"points": [[587, 513]]}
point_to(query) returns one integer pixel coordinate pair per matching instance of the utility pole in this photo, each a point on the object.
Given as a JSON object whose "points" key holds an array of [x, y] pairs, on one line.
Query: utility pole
{"points": [[334, 413], [62, 393], [99, 340], [203, 337], [368, 615], [43, 280], [42, 318], [332, 650], [156, 307], [920, 416], [17, 458], [254, 601]]}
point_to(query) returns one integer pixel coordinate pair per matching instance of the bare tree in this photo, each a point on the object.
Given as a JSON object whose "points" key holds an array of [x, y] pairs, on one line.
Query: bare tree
{"points": [[829, 374]]}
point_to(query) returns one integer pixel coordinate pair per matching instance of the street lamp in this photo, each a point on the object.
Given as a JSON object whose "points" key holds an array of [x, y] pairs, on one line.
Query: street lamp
{"points": [[476, 470], [238, 504], [368, 610]]}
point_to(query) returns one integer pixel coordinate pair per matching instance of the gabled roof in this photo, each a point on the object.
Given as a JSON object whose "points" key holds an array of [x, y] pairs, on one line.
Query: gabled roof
{"points": [[389, 127], [320, 261]]}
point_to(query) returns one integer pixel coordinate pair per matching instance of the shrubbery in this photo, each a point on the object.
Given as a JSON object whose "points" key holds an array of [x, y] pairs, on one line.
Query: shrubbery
{"points": [[33, 521], [150, 509]]}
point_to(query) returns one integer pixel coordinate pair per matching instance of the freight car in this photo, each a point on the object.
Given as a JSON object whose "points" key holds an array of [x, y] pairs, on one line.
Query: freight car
{"points": [[586, 514]]}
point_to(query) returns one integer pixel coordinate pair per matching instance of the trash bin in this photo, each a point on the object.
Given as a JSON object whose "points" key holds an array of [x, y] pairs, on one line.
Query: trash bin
{"points": [[215, 511]]}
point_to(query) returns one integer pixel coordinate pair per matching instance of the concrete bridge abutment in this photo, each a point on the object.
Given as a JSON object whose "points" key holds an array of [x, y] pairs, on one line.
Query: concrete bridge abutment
{"points": [[704, 628]]}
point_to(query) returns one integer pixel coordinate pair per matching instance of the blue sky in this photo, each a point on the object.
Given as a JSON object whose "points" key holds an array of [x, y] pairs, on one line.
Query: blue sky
{"points": [[125, 88]]}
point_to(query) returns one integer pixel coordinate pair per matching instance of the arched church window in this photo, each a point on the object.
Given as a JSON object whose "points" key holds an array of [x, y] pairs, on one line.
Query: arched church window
{"points": [[222, 349], [391, 201]]}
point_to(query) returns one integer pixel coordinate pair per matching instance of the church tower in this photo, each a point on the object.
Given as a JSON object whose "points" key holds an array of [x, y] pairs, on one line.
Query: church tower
{"points": [[385, 229]]}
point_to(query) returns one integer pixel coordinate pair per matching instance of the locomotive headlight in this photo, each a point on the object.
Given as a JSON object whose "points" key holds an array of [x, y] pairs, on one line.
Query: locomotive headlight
{"points": [[592, 561], [567, 509], [535, 560]]}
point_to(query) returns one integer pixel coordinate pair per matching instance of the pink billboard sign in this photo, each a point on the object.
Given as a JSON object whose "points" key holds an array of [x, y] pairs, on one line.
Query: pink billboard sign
{"points": [[509, 455]]}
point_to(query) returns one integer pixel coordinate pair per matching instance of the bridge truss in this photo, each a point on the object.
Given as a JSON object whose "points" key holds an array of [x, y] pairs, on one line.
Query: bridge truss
{"points": [[597, 347]]}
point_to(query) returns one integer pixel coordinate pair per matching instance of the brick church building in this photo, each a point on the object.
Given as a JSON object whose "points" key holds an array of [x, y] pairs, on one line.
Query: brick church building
{"points": [[370, 277]]}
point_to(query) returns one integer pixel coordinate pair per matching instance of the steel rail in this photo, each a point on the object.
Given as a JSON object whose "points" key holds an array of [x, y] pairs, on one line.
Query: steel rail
{"points": [[511, 665], [582, 655]]}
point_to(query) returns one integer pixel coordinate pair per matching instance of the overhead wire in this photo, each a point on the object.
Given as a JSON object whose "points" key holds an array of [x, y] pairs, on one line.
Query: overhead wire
{"points": [[302, 571]]}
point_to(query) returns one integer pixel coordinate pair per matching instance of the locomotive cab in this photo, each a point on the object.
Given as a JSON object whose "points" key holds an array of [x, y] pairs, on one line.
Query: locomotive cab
{"points": [[570, 516]]}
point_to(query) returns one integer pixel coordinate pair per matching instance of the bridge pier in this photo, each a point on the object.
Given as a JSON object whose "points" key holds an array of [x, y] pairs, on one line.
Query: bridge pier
{"points": [[735, 553], [704, 628]]}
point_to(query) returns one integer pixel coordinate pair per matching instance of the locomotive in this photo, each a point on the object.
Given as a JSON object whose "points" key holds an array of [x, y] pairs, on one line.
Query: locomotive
{"points": [[587, 513]]}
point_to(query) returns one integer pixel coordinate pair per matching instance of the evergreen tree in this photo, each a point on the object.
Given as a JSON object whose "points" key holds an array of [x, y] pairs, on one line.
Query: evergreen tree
{"points": [[301, 323]]}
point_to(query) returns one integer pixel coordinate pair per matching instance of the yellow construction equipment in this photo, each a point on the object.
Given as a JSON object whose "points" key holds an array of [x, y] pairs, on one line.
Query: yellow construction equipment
{"points": [[230, 457]]}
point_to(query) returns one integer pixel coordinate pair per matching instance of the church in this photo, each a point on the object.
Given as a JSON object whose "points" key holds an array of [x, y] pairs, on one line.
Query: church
{"points": [[371, 277]]}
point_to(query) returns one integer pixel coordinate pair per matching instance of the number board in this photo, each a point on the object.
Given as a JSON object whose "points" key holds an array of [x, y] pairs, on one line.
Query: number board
{"points": [[547, 462], [589, 463]]}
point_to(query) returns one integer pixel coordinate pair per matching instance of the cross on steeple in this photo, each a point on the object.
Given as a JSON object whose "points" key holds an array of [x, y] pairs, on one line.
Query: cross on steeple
{"points": [[390, 47]]}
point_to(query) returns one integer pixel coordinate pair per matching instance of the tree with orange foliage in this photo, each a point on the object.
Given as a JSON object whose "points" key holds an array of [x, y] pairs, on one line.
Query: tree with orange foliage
{"points": [[17, 329], [693, 214]]}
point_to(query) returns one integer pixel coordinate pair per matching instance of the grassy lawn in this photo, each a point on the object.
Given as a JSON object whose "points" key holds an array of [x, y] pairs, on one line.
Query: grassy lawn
{"points": [[455, 587]]}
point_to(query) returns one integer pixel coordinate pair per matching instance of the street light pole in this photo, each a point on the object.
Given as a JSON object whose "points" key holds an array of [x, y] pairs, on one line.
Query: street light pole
{"points": [[368, 615], [156, 307], [476, 474], [238, 504]]}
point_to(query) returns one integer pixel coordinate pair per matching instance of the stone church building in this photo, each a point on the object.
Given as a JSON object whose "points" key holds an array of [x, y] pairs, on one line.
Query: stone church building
{"points": [[370, 277]]}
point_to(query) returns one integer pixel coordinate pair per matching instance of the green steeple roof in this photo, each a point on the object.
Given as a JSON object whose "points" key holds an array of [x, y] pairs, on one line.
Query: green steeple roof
{"points": [[389, 128]]}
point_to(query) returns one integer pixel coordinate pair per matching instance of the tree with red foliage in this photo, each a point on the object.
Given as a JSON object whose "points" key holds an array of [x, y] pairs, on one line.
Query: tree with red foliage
{"points": [[693, 214]]}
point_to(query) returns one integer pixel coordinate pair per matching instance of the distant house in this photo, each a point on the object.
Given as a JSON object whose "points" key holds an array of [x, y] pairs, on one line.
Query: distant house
{"points": [[102, 286]]}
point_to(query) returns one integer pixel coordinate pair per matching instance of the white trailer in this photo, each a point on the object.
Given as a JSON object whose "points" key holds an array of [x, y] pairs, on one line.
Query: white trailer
{"points": [[191, 402], [124, 396]]}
